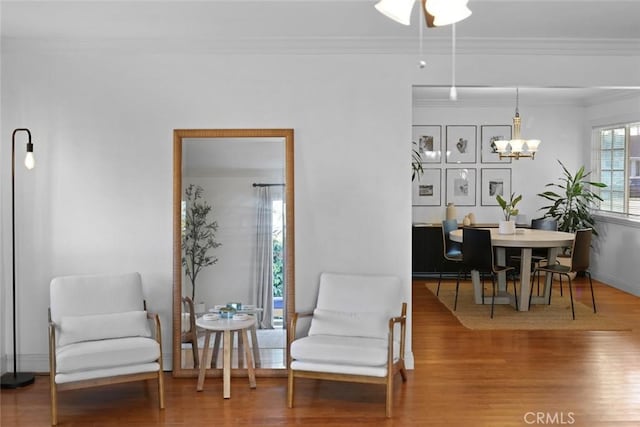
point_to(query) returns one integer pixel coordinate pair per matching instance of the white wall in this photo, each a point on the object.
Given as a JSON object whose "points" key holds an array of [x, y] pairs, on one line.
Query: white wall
{"points": [[616, 249], [100, 198], [560, 127]]}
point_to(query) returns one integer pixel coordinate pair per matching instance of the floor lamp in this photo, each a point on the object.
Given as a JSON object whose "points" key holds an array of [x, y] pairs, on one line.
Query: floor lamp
{"points": [[17, 379]]}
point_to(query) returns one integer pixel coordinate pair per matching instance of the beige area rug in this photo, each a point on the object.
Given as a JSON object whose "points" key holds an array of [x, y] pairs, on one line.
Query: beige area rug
{"points": [[539, 317]]}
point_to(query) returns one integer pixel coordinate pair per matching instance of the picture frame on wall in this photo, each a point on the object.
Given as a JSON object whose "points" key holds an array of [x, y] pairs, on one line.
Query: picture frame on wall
{"points": [[461, 144], [494, 182], [461, 186], [429, 140], [488, 135], [426, 189]]}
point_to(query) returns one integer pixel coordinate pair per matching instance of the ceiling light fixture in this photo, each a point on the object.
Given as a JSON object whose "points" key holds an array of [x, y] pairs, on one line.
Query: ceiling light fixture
{"points": [[437, 12], [517, 147]]}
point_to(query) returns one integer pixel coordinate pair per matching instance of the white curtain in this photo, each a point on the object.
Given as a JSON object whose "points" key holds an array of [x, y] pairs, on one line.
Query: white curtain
{"points": [[264, 258]]}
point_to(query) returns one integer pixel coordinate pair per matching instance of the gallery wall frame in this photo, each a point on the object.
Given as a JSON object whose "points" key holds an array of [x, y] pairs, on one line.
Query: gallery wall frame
{"points": [[461, 186], [427, 189], [489, 134], [493, 182], [461, 143], [429, 140]]}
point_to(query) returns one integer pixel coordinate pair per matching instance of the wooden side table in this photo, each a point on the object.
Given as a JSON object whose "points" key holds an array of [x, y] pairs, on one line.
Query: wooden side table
{"points": [[227, 326]]}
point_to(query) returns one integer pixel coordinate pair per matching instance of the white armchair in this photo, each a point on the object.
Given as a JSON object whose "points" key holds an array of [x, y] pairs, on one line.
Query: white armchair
{"points": [[99, 334], [357, 333]]}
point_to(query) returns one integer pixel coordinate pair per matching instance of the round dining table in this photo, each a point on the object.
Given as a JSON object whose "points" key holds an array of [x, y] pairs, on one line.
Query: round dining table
{"points": [[525, 239]]}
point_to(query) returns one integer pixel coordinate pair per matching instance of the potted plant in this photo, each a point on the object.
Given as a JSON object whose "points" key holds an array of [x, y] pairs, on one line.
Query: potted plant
{"points": [[198, 238], [508, 226], [416, 163], [571, 205]]}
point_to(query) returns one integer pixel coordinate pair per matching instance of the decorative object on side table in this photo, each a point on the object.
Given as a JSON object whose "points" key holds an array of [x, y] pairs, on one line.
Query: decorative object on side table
{"points": [[198, 236], [508, 226]]}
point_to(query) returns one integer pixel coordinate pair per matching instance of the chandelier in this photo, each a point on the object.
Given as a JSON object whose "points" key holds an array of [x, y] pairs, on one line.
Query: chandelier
{"points": [[517, 147]]}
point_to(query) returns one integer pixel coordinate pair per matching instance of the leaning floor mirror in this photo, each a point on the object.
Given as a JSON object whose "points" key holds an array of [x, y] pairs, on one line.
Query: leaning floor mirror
{"points": [[233, 229]]}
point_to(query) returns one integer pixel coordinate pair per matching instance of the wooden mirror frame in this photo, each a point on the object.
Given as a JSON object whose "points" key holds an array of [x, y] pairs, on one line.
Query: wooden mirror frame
{"points": [[289, 249]]}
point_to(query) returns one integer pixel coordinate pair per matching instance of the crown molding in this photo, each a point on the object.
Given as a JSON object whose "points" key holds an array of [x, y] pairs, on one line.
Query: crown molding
{"points": [[329, 45]]}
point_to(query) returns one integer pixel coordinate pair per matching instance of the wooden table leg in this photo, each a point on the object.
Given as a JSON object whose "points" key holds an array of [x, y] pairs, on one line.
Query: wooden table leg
{"points": [[254, 346], [248, 356], [226, 365], [240, 349], [216, 349], [203, 362], [525, 279]]}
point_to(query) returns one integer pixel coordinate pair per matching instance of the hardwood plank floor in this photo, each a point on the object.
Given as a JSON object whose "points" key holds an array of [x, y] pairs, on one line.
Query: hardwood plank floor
{"points": [[461, 378]]}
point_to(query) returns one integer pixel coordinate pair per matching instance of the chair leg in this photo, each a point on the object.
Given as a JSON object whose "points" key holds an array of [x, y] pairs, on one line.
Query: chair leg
{"points": [[455, 302], [515, 291], [389, 400], [560, 276], [194, 350], [573, 313], [54, 401], [493, 293], [593, 298], [439, 280], [161, 388], [290, 389]]}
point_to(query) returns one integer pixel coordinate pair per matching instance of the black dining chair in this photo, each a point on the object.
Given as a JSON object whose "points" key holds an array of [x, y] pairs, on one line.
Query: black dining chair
{"points": [[452, 252], [478, 255], [580, 259]]}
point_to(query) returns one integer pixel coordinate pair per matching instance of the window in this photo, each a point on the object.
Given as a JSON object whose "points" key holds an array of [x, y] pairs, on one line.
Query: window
{"points": [[617, 164]]}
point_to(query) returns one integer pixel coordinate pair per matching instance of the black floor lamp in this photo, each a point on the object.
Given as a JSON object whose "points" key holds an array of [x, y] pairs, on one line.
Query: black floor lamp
{"points": [[17, 379]]}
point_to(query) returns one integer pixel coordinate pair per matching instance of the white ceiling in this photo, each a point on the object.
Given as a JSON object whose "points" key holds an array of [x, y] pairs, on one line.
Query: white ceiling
{"points": [[567, 26]]}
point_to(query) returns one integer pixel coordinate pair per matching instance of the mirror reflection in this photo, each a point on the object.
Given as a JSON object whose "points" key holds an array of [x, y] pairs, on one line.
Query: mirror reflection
{"points": [[231, 252]]}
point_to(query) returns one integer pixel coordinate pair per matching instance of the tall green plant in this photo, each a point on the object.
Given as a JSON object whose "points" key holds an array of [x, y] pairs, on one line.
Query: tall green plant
{"points": [[572, 201], [416, 163], [198, 236]]}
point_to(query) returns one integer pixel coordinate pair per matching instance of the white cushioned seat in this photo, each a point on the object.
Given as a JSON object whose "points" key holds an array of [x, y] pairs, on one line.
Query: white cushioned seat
{"points": [[342, 350], [111, 353]]}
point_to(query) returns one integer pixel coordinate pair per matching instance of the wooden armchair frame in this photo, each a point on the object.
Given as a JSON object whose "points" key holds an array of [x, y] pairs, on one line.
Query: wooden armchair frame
{"points": [[101, 381], [392, 367]]}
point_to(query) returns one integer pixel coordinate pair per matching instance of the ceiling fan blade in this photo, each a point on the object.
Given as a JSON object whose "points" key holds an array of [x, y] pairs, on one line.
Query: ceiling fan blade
{"points": [[427, 16]]}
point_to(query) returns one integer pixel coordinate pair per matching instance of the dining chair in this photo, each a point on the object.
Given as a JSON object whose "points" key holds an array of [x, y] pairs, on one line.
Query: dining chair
{"points": [[189, 333], [478, 255], [580, 258], [452, 252]]}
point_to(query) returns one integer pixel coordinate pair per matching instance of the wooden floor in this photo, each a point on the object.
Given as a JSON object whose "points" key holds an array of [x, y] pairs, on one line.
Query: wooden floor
{"points": [[461, 378]]}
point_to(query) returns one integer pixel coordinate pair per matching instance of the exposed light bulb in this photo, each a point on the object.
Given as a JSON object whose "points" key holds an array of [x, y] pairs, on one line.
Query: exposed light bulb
{"points": [[29, 160], [422, 63], [453, 93]]}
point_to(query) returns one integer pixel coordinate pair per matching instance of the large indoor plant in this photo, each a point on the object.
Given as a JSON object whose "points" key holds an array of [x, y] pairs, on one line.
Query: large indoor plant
{"points": [[198, 236], [572, 200]]}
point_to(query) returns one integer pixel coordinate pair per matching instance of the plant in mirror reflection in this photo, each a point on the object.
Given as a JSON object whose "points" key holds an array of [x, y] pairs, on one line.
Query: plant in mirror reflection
{"points": [[198, 235]]}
